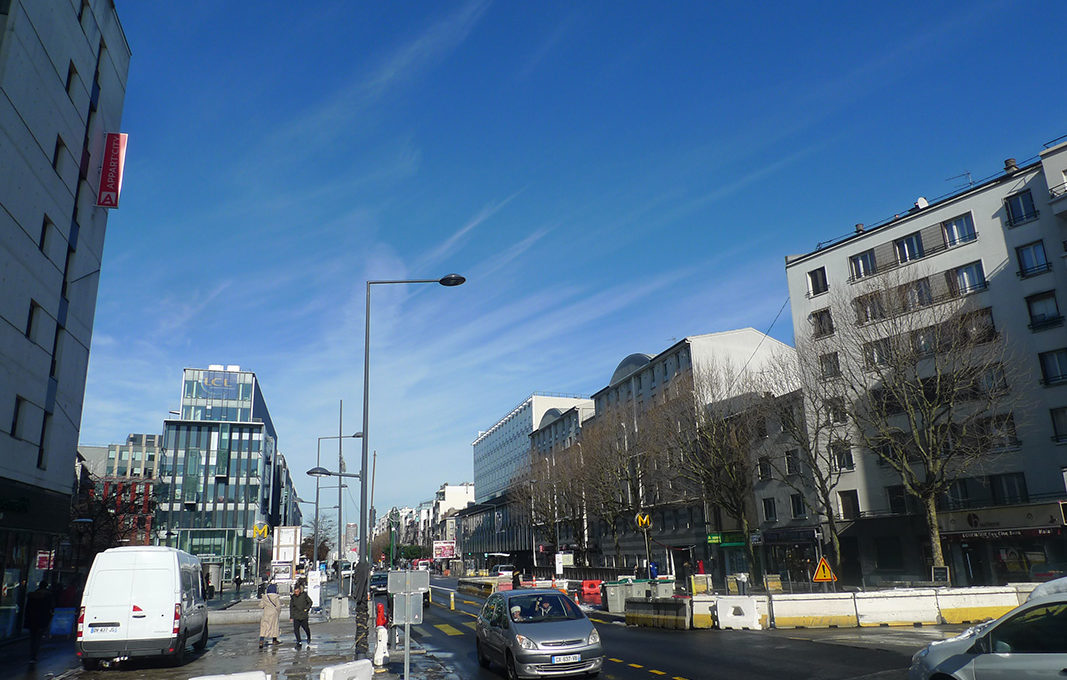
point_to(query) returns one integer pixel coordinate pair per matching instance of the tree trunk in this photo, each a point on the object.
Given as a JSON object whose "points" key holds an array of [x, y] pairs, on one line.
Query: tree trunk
{"points": [[930, 505], [835, 543], [750, 553]]}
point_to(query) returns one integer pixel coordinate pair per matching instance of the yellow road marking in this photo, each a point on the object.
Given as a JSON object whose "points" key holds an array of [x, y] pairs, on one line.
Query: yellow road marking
{"points": [[473, 616], [597, 620], [615, 660], [447, 629], [471, 624], [656, 672], [678, 677], [635, 665], [469, 602]]}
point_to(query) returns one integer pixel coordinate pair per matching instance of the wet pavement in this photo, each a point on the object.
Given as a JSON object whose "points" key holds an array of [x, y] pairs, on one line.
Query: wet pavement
{"points": [[231, 649]]}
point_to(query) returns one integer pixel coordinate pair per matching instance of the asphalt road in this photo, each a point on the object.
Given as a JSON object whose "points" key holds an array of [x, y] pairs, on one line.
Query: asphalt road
{"points": [[646, 653]]}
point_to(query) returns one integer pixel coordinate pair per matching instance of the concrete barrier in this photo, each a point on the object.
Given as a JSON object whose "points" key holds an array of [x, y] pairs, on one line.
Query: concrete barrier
{"points": [[904, 607], [737, 612], [666, 612], [353, 670], [971, 605], [247, 675], [703, 609], [483, 587], [814, 610]]}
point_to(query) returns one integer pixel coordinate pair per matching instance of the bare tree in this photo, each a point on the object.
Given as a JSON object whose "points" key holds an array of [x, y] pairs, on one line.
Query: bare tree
{"points": [[326, 530], [927, 377]]}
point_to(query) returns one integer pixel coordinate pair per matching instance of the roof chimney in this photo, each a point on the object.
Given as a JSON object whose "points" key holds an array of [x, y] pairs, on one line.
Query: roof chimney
{"points": [[921, 203], [1010, 166], [859, 227]]}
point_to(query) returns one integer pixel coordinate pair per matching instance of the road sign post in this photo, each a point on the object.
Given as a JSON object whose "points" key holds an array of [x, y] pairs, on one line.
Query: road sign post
{"points": [[643, 520], [407, 588]]}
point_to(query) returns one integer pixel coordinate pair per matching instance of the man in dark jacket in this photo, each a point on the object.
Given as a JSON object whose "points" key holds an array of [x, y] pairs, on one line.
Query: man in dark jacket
{"points": [[39, 608], [299, 606]]}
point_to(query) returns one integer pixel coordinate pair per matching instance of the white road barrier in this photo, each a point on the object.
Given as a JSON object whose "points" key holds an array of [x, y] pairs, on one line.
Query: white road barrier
{"points": [[353, 670], [247, 675], [737, 612]]}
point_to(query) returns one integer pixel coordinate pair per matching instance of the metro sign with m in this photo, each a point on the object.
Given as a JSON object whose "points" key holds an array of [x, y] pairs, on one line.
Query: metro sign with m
{"points": [[260, 531]]}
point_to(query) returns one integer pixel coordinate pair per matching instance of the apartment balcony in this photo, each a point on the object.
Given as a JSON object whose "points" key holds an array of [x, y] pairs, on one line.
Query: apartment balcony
{"points": [[1057, 199]]}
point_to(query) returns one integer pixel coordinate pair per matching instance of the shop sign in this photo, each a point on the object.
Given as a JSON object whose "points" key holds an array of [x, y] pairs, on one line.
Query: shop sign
{"points": [[46, 559], [805, 535], [727, 539], [111, 170], [991, 522]]}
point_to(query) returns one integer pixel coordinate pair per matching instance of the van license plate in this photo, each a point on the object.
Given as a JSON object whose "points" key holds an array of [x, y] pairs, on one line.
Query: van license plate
{"points": [[567, 658], [103, 629]]}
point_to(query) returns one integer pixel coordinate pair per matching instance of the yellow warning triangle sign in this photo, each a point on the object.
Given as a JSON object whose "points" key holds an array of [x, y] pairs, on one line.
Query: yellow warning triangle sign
{"points": [[823, 573]]}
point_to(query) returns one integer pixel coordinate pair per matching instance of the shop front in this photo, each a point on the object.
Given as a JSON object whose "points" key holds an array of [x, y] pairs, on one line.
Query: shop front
{"points": [[791, 553], [994, 546]]}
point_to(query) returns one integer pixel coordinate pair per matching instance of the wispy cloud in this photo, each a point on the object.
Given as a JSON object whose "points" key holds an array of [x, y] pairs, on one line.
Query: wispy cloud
{"points": [[449, 245], [547, 46], [180, 314]]}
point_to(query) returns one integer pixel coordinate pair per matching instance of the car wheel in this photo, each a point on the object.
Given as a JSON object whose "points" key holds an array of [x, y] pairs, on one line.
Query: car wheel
{"points": [[513, 673], [483, 660], [90, 664], [179, 651], [200, 644]]}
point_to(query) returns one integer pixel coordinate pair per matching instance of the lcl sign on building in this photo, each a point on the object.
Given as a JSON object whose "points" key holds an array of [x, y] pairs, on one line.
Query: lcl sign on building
{"points": [[111, 170]]}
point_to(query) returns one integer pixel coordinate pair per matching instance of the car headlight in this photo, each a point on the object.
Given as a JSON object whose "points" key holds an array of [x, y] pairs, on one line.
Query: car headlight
{"points": [[594, 637], [919, 655], [525, 642]]}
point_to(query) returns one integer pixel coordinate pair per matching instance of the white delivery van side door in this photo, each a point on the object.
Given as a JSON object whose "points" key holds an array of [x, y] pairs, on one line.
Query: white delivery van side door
{"points": [[154, 594]]}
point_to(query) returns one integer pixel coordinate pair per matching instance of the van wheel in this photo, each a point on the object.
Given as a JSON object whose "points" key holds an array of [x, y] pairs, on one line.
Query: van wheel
{"points": [[90, 664], [179, 651], [200, 644]]}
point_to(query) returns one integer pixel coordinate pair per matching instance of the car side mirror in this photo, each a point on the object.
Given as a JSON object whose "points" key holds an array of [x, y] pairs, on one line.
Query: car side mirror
{"points": [[980, 646]]}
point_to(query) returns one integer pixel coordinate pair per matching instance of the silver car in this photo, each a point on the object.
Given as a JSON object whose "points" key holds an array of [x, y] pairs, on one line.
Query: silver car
{"points": [[537, 634], [1030, 641]]}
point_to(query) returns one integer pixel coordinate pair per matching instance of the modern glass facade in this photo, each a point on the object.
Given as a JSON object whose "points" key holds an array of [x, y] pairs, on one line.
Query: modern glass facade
{"points": [[221, 475]]}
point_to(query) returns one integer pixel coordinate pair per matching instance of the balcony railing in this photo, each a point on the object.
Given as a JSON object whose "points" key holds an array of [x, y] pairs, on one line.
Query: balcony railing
{"points": [[1054, 380], [1046, 323], [1036, 269], [1058, 190], [1025, 217]]}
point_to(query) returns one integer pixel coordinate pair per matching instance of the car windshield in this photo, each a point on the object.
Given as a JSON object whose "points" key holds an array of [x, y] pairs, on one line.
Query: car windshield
{"points": [[543, 607], [379, 578]]}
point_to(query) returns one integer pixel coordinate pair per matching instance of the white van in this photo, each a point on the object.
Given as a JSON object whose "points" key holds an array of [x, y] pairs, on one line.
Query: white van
{"points": [[141, 601]]}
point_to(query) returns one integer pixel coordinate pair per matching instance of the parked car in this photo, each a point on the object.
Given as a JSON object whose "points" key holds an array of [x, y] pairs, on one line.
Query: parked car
{"points": [[1029, 641], [379, 582], [141, 601], [537, 633], [502, 570]]}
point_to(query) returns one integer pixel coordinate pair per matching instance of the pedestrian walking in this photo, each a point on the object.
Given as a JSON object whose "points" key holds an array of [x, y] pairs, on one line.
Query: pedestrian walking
{"points": [[237, 584], [39, 608], [268, 622], [299, 607]]}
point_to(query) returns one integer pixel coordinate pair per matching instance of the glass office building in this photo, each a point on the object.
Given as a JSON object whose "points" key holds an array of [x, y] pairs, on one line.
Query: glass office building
{"points": [[221, 474]]}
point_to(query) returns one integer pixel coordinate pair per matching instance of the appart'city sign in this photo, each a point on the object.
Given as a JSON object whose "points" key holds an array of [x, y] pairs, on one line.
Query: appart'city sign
{"points": [[111, 170]]}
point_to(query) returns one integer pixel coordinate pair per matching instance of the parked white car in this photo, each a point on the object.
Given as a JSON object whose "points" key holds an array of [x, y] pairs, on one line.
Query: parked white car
{"points": [[141, 601], [1030, 641]]}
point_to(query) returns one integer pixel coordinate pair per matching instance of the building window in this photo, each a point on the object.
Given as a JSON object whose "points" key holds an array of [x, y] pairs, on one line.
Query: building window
{"points": [[1032, 260], [1059, 424], [966, 279], [1054, 366], [850, 504], [763, 469], [1044, 312], [999, 431], [770, 511], [909, 248], [1008, 488], [869, 308], [1020, 208], [835, 409], [916, 294], [977, 326], [792, 463], [32, 320], [841, 455], [958, 230], [924, 341], [900, 503], [887, 553], [57, 153], [72, 75], [797, 506], [829, 365], [862, 264], [876, 353], [822, 323], [17, 417], [817, 284]]}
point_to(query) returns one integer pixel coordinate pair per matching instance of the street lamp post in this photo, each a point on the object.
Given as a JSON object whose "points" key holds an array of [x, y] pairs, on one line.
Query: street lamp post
{"points": [[364, 546], [317, 472], [318, 463]]}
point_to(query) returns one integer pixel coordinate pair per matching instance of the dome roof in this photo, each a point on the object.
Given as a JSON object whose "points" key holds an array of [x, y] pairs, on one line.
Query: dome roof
{"points": [[628, 366], [550, 415]]}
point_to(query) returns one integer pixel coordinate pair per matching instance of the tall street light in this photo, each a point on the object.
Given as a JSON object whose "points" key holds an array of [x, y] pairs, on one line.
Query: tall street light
{"points": [[318, 463], [323, 472], [449, 281]]}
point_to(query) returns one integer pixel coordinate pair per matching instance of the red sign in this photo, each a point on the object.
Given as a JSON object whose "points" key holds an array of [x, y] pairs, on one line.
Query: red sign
{"points": [[46, 559], [111, 170]]}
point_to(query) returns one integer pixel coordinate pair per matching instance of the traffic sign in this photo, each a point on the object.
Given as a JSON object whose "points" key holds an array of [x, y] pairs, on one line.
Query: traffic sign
{"points": [[643, 520], [823, 573]]}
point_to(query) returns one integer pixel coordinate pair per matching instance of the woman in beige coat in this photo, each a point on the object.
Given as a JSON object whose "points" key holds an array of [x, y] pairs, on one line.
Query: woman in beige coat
{"points": [[268, 623]]}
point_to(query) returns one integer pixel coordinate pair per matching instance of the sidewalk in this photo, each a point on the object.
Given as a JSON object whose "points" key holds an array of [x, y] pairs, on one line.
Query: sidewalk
{"points": [[231, 649]]}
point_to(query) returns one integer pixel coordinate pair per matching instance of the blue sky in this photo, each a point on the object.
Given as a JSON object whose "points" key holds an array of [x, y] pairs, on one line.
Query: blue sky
{"points": [[609, 177]]}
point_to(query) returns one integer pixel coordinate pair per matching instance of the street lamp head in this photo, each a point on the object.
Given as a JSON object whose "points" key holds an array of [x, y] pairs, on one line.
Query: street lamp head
{"points": [[452, 280], [358, 435], [319, 472]]}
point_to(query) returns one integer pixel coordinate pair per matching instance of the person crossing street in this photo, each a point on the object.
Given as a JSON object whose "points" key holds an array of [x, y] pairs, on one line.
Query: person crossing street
{"points": [[299, 608]]}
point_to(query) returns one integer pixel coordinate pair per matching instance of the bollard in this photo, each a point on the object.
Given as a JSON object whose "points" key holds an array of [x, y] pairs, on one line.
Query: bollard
{"points": [[381, 646], [430, 593], [452, 601]]}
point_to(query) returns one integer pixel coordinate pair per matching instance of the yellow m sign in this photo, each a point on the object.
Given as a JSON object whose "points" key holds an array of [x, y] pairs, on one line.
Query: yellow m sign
{"points": [[643, 520], [260, 530]]}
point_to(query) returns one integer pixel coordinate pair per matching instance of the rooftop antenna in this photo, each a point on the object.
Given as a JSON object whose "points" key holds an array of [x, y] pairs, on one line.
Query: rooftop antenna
{"points": [[967, 174]]}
